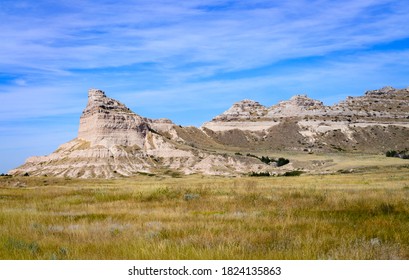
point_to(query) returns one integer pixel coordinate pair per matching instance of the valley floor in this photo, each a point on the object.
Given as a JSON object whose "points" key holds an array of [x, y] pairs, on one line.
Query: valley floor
{"points": [[359, 215]]}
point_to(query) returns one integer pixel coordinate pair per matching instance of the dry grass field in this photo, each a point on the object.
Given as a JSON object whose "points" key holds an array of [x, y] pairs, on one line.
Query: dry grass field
{"points": [[360, 215]]}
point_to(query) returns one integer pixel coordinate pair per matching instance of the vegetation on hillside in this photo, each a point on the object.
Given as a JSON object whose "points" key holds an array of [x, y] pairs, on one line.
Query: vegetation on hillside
{"points": [[267, 160], [401, 154]]}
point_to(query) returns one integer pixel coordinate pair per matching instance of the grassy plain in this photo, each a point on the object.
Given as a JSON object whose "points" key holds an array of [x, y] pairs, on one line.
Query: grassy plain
{"points": [[360, 215]]}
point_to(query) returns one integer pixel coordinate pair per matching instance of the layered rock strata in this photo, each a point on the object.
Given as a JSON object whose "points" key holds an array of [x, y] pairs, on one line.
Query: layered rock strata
{"points": [[114, 141], [375, 122], [108, 122]]}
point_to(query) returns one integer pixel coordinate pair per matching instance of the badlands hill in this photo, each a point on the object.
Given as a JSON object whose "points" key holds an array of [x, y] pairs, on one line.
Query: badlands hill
{"points": [[114, 141], [373, 123]]}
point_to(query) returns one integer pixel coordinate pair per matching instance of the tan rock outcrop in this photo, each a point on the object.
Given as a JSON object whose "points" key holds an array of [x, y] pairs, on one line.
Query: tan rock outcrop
{"points": [[374, 122], [243, 110], [114, 141], [108, 122]]}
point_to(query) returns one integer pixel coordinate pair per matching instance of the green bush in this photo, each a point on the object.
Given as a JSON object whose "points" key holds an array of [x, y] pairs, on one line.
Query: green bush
{"points": [[282, 161], [292, 173], [266, 160], [259, 174], [401, 154], [251, 155], [391, 153]]}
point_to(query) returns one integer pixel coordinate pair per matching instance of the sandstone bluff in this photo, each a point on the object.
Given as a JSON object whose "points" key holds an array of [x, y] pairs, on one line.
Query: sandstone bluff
{"points": [[113, 141]]}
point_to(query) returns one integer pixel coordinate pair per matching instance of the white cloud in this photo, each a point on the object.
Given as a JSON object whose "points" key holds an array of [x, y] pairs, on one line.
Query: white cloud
{"points": [[122, 34], [20, 82]]}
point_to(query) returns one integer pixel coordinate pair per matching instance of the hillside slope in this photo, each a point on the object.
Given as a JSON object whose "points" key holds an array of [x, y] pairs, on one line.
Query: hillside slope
{"points": [[373, 123]]}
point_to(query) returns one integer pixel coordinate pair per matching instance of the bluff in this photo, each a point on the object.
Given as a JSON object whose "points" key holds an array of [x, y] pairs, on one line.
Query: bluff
{"points": [[373, 123], [108, 122], [113, 141]]}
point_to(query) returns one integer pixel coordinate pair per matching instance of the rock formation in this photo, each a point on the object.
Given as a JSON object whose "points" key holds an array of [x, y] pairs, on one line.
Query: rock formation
{"points": [[375, 122], [243, 110], [114, 141], [108, 122], [299, 105]]}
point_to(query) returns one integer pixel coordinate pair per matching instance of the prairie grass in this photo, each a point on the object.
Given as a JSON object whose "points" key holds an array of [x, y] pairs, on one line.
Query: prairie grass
{"points": [[343, 216]]}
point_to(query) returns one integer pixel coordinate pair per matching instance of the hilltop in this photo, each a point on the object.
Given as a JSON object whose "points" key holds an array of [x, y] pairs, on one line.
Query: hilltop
{"points": [[372, 123]]}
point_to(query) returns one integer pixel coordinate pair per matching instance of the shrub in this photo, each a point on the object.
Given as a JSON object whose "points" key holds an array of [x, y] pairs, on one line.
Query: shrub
{"points": [[402, 154], [251, 155], [391, 153], [282, 161], [292, 173], [266, 160], [259, 174]]}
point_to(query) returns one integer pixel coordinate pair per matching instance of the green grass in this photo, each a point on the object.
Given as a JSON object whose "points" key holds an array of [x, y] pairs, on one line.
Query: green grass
{"points": [[344, 216]]}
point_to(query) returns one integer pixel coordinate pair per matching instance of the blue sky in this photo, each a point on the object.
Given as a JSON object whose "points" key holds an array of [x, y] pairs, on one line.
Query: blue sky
{"points": [[185, 60]]}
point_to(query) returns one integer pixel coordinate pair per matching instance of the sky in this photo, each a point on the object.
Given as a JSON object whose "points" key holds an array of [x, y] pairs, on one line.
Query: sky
{"points": [[185, 60]]}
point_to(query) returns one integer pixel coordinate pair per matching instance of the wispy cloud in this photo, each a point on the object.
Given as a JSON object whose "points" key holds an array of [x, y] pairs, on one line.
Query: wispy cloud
{"points": [[229, 38]]}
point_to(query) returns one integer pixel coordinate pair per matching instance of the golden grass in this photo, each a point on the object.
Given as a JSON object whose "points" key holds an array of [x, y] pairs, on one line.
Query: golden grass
{"points": [[344, 216]]}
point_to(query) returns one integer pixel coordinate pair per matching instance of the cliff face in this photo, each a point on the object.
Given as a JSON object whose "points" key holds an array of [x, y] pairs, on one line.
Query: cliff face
{"points": [[114, 141], [376, 105], [375, 122], [108, 122]]}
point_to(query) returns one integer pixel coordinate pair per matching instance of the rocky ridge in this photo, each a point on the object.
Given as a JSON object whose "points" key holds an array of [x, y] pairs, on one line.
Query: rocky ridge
{"points": [[375, 122], [114, 141]]}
